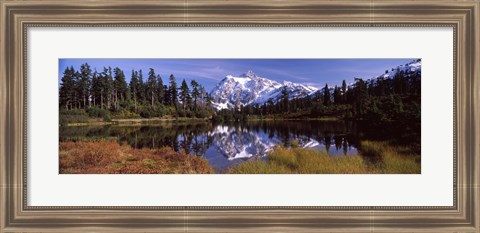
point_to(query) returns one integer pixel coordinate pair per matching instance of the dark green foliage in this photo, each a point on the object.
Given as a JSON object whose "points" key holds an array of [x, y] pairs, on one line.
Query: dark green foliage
{"points": [[173, 91], [149, 112], [392, 99], [120, 88], [83, 85], [125, 114], [134, 88], [224, 115], [96, 89], [285, 99], [160, 90], [141, 87], [202, 113], [185, 97], [326, 95], [67, 89], [99, 113], [195, 92], [107, 95], [151, 88], [167, 98], [337, 95], [73, 116]]}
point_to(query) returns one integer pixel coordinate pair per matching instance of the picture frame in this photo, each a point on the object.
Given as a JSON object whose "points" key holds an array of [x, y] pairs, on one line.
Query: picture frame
{"points": [[17, 16]]}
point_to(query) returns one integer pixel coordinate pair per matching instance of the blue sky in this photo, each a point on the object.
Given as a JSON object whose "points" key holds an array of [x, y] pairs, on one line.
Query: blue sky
{"points": [[208, 72]]}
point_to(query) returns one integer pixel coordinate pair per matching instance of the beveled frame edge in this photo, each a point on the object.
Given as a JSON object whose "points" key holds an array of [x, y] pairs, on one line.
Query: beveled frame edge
{"points": [[15, 216], [26, 26]]}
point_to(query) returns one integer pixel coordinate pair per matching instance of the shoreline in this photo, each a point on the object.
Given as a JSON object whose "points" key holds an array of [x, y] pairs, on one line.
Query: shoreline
{"points": [[182, 119], [135, 121], [112, 157]]}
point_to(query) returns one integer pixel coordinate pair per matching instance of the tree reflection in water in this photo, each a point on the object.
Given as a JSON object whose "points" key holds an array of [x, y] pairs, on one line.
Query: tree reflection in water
{"points": [[228, 144]]}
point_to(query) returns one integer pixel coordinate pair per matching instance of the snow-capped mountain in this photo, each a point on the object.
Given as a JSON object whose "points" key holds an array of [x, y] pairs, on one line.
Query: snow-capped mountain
{"points": [[407, 69], [414, 66], [234, 143], [249, 88]]}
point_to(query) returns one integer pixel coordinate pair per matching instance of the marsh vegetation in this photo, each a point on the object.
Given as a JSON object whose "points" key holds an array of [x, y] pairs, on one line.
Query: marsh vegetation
{"points": [[255, 146]]}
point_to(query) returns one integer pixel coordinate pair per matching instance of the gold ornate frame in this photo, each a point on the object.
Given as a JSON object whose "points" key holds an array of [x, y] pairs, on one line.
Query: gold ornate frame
{"points": [[17, 16]]}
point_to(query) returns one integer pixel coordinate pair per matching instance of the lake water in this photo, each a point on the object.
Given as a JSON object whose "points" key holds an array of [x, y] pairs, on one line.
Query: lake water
{"points": [[225, 145]]}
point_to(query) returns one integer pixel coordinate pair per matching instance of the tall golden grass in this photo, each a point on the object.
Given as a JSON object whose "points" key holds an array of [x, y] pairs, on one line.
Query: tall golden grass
{"points": [[307, 161], [393, 159], [108, 157]]}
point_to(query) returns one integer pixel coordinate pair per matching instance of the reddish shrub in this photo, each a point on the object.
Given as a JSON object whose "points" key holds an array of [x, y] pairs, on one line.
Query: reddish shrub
{"points": [[108, 157]]}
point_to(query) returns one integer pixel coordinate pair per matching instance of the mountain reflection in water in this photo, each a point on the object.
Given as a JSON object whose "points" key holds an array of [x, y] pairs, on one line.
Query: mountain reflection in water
{"points": [[225, 145], [241, 143]]}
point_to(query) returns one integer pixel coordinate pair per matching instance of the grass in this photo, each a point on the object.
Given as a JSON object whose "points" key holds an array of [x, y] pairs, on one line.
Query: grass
{"points": [[390, 160], [91, 123], [393, 159], [108, 157], [138, 121]]}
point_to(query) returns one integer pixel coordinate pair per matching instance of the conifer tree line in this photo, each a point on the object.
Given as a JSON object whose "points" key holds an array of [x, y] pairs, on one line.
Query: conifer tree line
{"points": [[146, 95], [394, 98]]}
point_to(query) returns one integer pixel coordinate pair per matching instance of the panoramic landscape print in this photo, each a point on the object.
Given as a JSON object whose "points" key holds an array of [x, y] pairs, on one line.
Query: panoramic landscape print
{"points": [[240, 116]]}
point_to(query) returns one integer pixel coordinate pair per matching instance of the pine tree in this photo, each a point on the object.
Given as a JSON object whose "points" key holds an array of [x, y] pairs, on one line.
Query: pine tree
{"points": [[151, 87], [173, 91], [67, 88], [344, 92], [160, 90], [264, 109], [134, 83], [360, 97], [77, 94], [371, 87], [285, 99], [120, 87], [107, 88], [83, 84], [195, 92], [102, 87], [337, 96], [381, 87], [185, 95], [141, 87], [166, 96], [326, 95], [202, 95], [270, 109], [208, 101], [95, 89]]}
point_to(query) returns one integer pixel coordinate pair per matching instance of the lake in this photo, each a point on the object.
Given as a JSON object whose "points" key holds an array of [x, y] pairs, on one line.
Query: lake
{"points": [[225, 145]]}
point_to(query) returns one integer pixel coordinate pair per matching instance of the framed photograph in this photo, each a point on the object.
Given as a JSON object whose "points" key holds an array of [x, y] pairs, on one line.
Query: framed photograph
{"points": [[239, 116]]}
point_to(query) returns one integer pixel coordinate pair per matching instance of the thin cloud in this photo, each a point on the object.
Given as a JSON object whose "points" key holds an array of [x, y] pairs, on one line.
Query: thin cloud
{"points": [[215, 70], [214, 73], [312, 72], [283, 73], [317, 85]]}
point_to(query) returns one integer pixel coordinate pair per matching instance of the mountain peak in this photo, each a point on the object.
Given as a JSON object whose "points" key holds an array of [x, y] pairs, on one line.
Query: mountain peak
{"points": [[249, 88], [248, 74]]}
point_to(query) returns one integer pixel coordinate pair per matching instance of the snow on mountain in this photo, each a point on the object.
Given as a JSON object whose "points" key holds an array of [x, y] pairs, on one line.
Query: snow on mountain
{"points": [[244, 144], [407, 68], [249, 88]]}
